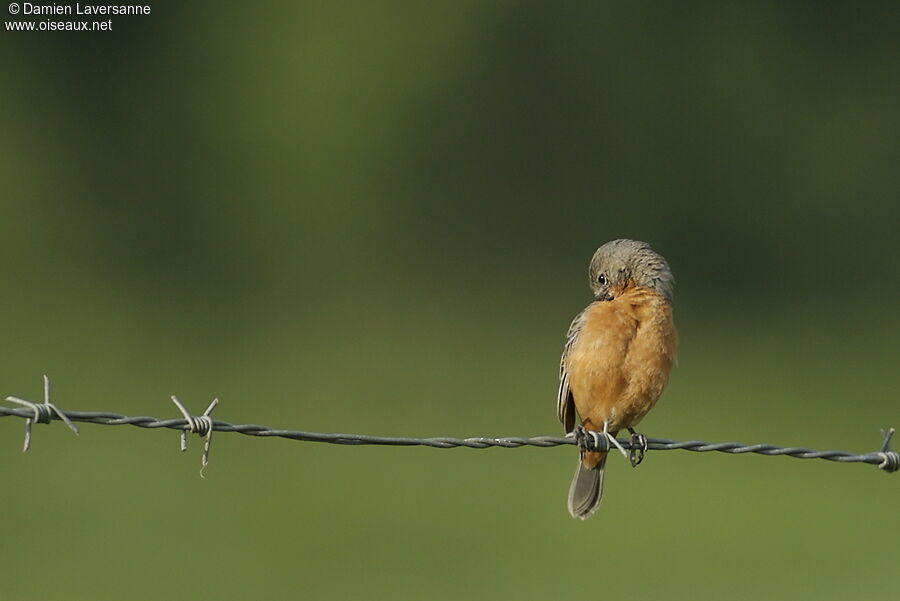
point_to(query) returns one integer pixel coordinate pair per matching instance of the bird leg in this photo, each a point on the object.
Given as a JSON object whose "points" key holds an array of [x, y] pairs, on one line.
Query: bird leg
{"points": [[638, 447]]}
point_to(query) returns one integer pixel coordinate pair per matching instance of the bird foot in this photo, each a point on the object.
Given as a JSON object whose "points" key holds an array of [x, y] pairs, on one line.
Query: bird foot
{"points": [[582, 439], [638, 446]]}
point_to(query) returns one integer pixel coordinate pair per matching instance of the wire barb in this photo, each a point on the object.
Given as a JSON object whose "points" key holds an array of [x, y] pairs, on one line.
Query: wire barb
{"points": [[43, 413], [200, 424], [891, 460]]}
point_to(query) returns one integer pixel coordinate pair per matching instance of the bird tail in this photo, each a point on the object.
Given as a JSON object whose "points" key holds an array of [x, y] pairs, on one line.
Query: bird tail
{"points": [[586, 490]]}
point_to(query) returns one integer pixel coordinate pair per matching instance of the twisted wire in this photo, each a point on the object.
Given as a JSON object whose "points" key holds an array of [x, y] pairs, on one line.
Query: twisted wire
{"points": [[885, 459]]}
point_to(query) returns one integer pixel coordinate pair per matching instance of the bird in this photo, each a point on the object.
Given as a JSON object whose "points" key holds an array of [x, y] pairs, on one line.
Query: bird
{"points": [[618, 355]]}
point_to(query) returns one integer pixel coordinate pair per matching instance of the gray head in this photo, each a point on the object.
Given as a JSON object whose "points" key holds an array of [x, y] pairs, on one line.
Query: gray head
{"points": [[618, 264]]}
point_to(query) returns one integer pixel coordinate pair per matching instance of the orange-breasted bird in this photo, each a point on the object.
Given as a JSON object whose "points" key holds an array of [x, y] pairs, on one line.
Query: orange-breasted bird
{"points": [[618, 355]]}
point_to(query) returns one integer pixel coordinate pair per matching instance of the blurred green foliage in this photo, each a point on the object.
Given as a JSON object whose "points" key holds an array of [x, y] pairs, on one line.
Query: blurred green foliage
{"points": [[377, 217]]}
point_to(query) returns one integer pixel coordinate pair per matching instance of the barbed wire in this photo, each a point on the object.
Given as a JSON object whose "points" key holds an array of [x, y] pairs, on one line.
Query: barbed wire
{"points": [[203, 425]]}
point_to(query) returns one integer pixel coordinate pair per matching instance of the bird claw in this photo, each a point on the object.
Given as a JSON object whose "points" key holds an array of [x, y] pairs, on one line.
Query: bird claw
{"points": [[581, 438], [638, 447]]}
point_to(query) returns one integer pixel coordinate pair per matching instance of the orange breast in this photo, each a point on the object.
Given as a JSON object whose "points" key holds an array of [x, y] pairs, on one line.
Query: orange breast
{"points": [[620, 362]]}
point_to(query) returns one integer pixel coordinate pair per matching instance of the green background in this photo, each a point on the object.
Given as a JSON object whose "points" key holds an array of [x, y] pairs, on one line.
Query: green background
{"points": [[377, 218]]}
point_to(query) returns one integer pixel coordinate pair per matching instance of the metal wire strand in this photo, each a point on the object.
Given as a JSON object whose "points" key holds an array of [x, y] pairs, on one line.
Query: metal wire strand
{"points": [[885, 459]]}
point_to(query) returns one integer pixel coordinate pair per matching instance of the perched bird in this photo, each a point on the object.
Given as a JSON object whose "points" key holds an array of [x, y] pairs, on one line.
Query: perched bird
{"points": [[618, 355]]}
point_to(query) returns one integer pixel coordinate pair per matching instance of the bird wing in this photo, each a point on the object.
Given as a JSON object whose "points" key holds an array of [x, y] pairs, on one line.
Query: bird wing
{"points": [[565, 405]]}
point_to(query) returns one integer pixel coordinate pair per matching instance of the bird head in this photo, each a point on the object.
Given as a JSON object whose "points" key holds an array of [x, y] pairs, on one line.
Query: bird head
{"points": [[620, 264]]}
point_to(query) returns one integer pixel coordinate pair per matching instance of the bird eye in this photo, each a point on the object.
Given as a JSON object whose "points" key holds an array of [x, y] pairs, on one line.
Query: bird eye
{"points": [[601, 279]]}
